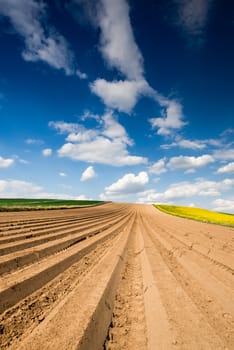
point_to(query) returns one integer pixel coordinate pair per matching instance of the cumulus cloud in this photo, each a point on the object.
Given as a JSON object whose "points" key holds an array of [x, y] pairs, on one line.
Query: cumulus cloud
{"points": [[6, 162], [186, 189], [114, 130], [62, 174], [64, 127], [120, 51], [171, 120], [128, 184], [224, 154], [158, 167], [47, 152], [189, 163], [24, 189], [17, 188], [83, 135], [88, 174], [193, 15], [100, 150], [42, 43], [117, 43], [195, 145], [224, 205], [107, 144], [121, 95], [228, 168]]}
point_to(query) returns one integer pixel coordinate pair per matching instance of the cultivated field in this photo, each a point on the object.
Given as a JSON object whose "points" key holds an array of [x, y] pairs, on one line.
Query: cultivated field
{"points": [[17, 204], [117, 277], [198, 214]]}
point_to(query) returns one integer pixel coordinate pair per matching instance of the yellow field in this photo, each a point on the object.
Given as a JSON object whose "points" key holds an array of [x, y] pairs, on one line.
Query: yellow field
{"points": [[198, 214]]}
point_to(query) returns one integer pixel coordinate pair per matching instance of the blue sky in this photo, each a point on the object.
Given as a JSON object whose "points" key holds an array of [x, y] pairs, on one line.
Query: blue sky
{"points": [[115, 100]]}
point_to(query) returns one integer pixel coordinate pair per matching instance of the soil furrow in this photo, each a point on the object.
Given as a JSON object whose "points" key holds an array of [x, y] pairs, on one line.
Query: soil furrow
{"points": [[128, 327], [49, 235], [32, 310], [68, 326], [142, 280], [24, 282], [16, 260], [47, 226], [199, 302]]}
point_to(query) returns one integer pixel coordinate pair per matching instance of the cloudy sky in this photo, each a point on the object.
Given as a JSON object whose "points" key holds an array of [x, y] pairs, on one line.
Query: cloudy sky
{"points": [[118, 100]]}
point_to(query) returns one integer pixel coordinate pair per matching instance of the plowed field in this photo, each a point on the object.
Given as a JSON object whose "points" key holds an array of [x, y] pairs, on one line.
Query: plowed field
{"points": [[115, 276]]}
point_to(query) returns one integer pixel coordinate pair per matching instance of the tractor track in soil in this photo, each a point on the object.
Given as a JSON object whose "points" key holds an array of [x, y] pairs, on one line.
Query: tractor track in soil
{"points": [[115, 276]]}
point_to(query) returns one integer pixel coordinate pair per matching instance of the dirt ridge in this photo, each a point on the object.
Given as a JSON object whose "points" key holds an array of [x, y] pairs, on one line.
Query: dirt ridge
{"points": [[116, 276]]}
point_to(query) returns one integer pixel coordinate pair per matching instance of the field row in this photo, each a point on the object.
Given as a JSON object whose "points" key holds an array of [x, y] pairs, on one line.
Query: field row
{"points": [[116, 276]]}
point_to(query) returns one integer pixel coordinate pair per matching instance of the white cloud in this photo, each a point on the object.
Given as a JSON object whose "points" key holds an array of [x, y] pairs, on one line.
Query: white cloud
{"points": [[158, 167], [81, 75], [193, 15], [64, 127], [24, 189], [6, 162], [121, 95], [47, 152], [128, 184], [82, 136], [195, 145], [190, 163], [88, 174], [23, 161], [114, 130], [107, 144], [62, 174], [20, 160], [211, 192], [183, 143], [224, 205], [41, 42], [34, 141], [120, 51], [229, 168], [17, 188], [224, 154], [184, 190], [100, 150], [192, 144], [172, 117], [83, 197], [89, 115], [117, 42]]}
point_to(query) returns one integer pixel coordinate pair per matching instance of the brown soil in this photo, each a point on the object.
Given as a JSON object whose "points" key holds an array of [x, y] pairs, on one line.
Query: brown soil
{"points": [[116, 276]]}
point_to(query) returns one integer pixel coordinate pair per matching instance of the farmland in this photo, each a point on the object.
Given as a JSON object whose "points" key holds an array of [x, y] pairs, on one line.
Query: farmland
{"points": [[114, 276], [198, 214], [17, 204]]}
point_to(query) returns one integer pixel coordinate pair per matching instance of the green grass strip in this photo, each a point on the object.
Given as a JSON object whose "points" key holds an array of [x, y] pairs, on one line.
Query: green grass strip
{"points": [[17, 204]]}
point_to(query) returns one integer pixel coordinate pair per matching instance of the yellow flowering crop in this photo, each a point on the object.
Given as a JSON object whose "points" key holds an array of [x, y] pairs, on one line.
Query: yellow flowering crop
{"points": [[199, 214]]}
